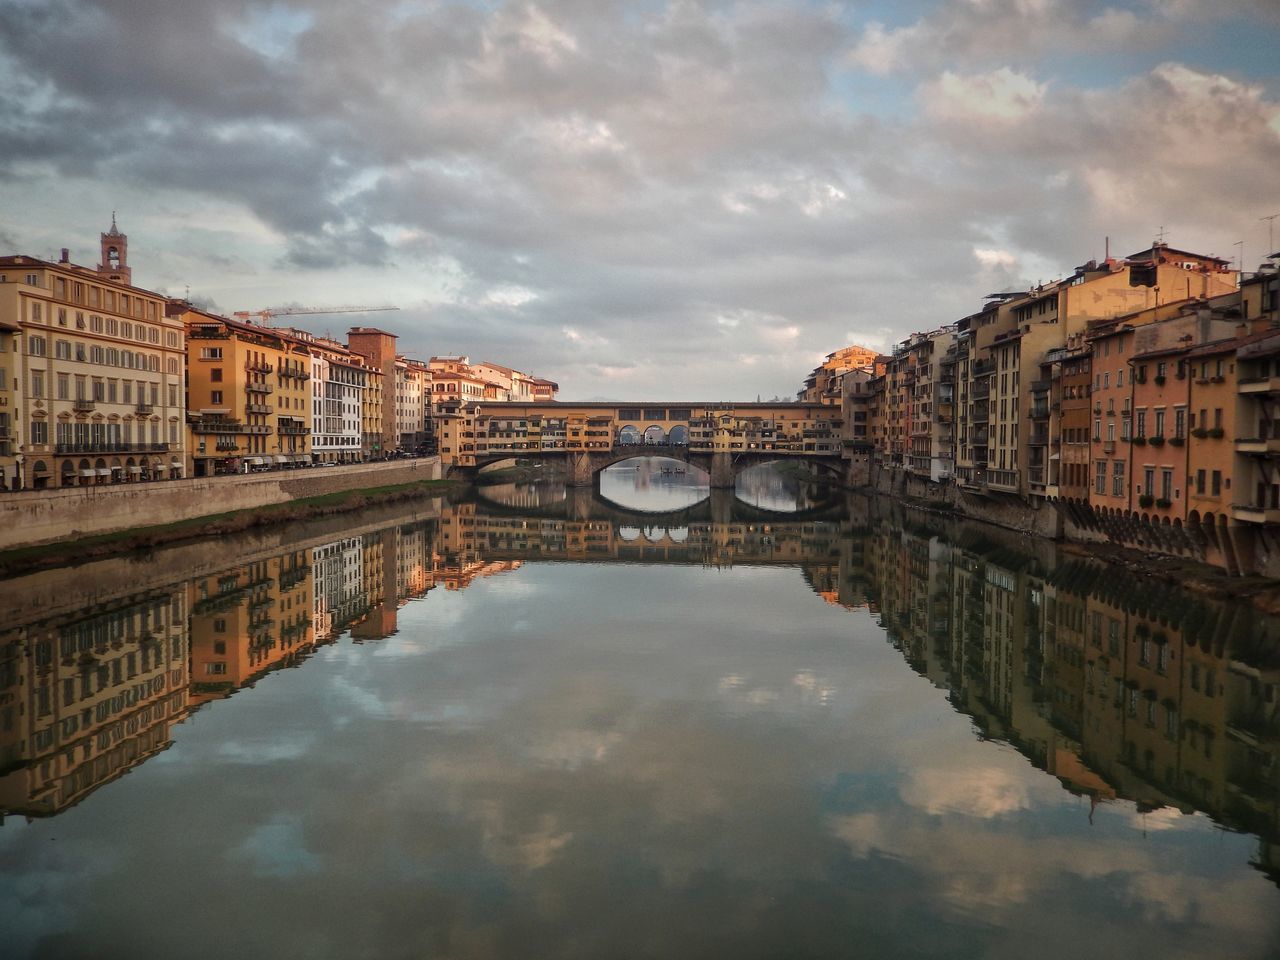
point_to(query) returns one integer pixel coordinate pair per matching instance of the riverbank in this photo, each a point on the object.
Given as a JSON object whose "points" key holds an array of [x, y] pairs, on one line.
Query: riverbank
{"points": [[36, 557], [34, 517]]}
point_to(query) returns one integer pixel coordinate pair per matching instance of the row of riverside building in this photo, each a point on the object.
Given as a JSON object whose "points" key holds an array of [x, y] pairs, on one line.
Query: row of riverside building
{"points": [[1140, 397], [103, 382]]}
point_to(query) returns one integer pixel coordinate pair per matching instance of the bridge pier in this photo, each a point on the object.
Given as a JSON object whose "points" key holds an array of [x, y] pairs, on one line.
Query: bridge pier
{"points": [[579, 471], [721, 471]]}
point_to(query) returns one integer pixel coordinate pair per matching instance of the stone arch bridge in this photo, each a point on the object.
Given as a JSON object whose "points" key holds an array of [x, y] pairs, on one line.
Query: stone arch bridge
{"points": [[583, 439]]}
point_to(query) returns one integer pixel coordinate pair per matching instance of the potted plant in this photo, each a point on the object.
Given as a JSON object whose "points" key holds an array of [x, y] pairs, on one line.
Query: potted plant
{"points": [[1176, 441], [1164, 504], [1199, 433], [1140, 441], [1217, 433], [1157, 441], [1145, 501], [1160, 378]]}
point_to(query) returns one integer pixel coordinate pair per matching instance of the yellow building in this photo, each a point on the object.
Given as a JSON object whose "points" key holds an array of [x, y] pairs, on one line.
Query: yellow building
{"points": [[10, 350], [248, 394], [100, 366]]}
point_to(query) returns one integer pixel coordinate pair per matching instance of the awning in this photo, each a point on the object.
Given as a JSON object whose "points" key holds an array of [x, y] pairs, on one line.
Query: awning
{"points": [[135, 469], [280, 459], [88, 473], [116, 469], [103, 472], [176, 464]]}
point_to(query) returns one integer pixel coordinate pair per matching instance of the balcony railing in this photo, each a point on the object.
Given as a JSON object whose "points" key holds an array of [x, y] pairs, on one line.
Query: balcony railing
{"points": [[106, 447], [254, 387], [257, 408], [217, 426], [259, 367], [82, 406], [144, 409]]}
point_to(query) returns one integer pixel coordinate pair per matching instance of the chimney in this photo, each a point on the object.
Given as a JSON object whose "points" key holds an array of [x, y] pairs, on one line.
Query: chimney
{"points": [[66, 256]]}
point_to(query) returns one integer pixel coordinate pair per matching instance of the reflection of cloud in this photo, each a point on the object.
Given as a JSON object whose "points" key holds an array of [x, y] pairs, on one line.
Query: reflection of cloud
{"points": [[976, 792], [276, 849]]}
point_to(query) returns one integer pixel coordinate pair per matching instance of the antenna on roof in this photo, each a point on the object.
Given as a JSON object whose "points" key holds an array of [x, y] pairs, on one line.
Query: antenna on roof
{"points": [[1160, 235], [1271, 232]]}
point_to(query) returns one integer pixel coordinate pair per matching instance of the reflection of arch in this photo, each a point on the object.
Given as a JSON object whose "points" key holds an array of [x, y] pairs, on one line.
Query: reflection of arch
{"points": [[678, 534], [655, 434], [655, 534], [679, 435], [629, 436], [627, 534]]}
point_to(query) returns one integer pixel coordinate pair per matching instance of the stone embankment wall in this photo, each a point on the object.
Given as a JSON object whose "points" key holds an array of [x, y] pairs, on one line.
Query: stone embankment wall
{"points": [[1237, 549], [44, 516]]}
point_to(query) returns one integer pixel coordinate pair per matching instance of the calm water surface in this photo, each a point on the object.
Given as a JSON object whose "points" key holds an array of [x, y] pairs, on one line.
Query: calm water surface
{"points": [[639, 721]]}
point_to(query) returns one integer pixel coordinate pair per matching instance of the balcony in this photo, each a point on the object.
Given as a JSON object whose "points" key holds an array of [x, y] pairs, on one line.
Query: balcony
{"points": [[1256, 385], [1038, 438], [258, 408], [1252, 513], [82, 406], [292, 428], [984, 368], [258, 367], [255, 387], [1039, 411], [1040, 386], [217, 426], [1262, 446], [108, 447], [1003, 480], [257, 429], [144, 409]]}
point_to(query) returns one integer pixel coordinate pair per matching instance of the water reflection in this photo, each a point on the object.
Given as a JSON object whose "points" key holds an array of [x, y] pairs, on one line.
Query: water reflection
{"points": [[665, 693], [654, 484]]}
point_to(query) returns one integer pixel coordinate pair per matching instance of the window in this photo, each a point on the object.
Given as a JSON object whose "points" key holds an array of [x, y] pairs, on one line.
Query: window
{"points": [[1180, 422], [1142, 423], [1100, 480], [1149, 481], [35, 346], [1217, 418], [1166, 485], [62, 349], [39, 431], [1160, 422], [210, 353], [1200, 478], [64, 387], [215, 374], [215, 396], [37, 383], [1117, 478], [215, 669], [1217, 483]]}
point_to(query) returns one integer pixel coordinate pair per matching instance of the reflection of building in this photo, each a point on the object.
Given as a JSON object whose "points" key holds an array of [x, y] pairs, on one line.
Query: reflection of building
{"points": [[248, 620], [85, 698], [1142, 692]]}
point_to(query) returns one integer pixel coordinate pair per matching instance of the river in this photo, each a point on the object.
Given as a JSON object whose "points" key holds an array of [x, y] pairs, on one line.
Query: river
{"points": [[646, 720]]}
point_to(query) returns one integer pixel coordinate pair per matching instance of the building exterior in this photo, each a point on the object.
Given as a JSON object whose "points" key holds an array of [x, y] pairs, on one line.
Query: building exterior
{"points": [[381, 428], [98, 368], [823, 384], [249, 394]]}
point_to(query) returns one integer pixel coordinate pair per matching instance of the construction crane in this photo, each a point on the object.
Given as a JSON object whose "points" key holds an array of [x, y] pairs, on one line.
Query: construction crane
{"points": [[264, 317]]}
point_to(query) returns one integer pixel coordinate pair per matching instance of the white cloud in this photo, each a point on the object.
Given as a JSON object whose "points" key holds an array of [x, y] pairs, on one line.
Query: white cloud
{"points": [[1002, 96]]}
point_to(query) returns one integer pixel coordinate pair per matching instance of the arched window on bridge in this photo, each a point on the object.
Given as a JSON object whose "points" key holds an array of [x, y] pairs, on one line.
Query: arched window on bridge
{"points": [[679, 436], [655, 435], [629, 436]]}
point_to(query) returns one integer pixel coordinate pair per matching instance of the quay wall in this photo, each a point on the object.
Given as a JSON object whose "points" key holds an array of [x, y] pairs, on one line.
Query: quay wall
{"points": [[32, 517], [1238, 549]]}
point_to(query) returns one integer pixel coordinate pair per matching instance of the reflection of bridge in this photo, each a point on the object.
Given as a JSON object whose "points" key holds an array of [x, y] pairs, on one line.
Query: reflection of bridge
{"points": [[585, 438], [720, 506]]}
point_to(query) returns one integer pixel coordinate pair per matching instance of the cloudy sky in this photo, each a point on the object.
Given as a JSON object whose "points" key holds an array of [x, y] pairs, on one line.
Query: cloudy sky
{"points": [[640, 199]]}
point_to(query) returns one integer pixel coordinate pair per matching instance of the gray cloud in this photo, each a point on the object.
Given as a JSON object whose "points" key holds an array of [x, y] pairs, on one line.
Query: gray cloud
{"points": [[699, 193]]}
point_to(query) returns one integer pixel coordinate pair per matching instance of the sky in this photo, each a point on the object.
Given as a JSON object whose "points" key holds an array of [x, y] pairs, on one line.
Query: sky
{"points": [[654, 199]]}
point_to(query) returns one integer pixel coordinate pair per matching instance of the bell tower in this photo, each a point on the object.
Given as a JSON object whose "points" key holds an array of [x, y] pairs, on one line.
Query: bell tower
{"points": [[115, 254]]}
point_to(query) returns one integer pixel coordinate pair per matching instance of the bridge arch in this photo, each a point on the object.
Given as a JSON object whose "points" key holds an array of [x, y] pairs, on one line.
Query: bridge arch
{"points": [[679, 436], [629, 436], [654, 435]]}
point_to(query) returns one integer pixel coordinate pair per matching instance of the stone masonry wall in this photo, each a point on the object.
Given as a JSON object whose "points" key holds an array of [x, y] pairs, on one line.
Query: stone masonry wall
{"points": [[43, 516]]}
